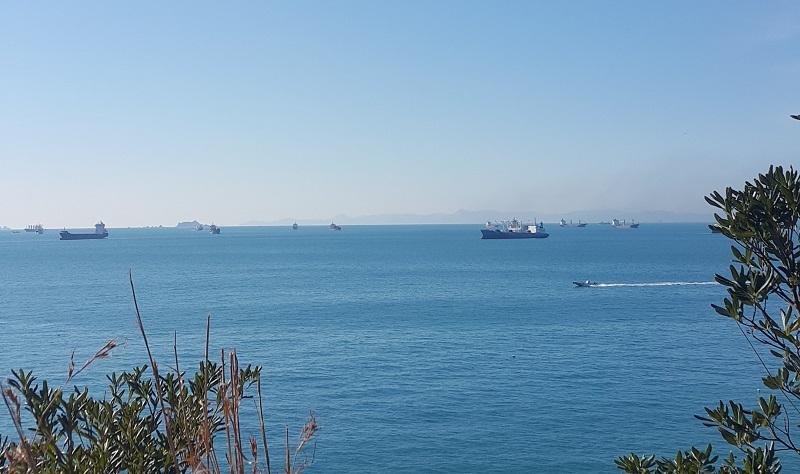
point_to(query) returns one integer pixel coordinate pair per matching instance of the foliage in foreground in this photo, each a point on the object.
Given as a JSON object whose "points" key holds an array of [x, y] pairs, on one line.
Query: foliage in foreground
{"points": [[145, 422], [763, 301]]}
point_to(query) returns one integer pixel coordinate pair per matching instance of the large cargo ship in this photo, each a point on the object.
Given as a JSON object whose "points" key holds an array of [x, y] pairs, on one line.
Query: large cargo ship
{"points": [[38, 228], [100, 232], [513, 229]]}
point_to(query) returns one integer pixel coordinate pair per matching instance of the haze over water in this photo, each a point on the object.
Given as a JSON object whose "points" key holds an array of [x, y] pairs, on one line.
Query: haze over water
{"points": [[420, 348], [149, 113]]}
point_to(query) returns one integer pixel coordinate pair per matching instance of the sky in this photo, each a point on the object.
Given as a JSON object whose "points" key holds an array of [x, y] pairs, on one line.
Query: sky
{"points": [[148, 113]]}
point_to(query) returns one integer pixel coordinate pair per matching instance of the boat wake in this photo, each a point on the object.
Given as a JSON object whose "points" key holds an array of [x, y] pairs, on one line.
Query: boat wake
{"points": [[661, 283]]}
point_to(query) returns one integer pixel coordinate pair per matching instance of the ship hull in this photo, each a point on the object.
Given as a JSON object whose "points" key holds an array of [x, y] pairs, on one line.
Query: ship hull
{"points": [[65, 235], [500, 235]]}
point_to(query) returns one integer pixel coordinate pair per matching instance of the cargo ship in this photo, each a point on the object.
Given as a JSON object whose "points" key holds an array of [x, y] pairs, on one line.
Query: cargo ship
{"points": [[100, 232], [513, 229], [35, 228]]}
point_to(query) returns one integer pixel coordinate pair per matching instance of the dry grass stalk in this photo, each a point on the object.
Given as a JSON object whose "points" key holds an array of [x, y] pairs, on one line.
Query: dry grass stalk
{"points": [[236, 398], [206, 389], [254, 453], [156, 378], [11, 400], [103, 353], [226, 412], [261, 421], [288, 468]]}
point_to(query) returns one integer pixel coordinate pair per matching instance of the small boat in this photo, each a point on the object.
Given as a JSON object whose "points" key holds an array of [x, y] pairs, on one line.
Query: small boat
{"points": [[334, 227], [634, 225], [294, 226], [581, 224], [214, 229], [35, 228], [562, 223], [584, 284], [199, 227]]}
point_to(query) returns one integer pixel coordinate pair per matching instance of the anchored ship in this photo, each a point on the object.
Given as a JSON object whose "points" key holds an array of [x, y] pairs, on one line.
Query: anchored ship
{"points": [[623, 223], [35, 228], [513, 229], [100, 232]]}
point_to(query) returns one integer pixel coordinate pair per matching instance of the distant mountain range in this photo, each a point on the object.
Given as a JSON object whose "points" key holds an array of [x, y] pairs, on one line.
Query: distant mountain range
{"points": [[463, 216]]}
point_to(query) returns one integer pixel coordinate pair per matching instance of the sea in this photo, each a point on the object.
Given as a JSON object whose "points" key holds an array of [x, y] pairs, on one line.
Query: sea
{"points": [[418, 348]]}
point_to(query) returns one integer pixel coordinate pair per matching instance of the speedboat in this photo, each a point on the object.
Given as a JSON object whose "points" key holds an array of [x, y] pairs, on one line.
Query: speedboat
{"points": [[584, 284]]}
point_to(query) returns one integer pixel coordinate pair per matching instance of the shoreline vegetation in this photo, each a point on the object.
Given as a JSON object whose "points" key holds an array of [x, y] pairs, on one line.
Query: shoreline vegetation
{"points": [[146, 421], [762, 222]]}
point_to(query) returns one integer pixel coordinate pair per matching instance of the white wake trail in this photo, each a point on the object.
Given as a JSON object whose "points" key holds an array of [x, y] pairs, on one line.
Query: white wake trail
{"points": [[661, 283]]}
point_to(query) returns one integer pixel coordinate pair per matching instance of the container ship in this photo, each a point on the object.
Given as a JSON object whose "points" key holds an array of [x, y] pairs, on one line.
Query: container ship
{"points": [[513, 229], [100, 232]]}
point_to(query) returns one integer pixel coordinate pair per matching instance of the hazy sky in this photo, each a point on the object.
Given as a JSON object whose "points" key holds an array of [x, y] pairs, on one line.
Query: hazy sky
{"points": [[153, 112]]}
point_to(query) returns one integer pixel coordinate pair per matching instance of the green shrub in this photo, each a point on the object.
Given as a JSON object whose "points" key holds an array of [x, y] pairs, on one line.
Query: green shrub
{"points": [[145, 422], [764, 302]]}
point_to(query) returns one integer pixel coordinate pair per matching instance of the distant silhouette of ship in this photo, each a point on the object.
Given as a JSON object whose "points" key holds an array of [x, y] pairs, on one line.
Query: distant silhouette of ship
{"points": [[100, 232], [35, 228], [294, 226], [213, 229], [334, 227], [622, 223]]}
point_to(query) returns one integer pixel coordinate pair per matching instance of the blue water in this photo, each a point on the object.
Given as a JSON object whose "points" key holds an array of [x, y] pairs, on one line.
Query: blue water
{"points": [[419, 348]]}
